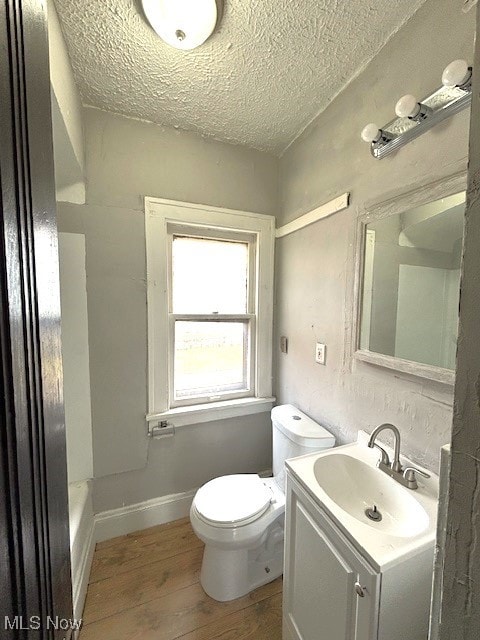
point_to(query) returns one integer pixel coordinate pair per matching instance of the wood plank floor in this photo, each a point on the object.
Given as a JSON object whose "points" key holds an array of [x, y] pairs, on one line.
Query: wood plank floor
{"points": [[145, 586]]}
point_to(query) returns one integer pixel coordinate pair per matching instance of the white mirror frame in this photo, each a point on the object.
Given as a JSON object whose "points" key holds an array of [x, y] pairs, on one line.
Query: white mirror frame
{"points": [[378, 211]]}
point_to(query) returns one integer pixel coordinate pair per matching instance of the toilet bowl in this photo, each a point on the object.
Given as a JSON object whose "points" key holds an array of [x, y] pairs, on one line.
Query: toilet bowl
{"points": [[244, 541], [240, 518]]}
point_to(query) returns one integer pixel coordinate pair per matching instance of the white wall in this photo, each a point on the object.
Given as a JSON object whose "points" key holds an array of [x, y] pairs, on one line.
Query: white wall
{"points": [[67, 122], [75, 352], [126, 160], [421, 328], [452, 296], [427, 315], [63, 84], [315, 266]]}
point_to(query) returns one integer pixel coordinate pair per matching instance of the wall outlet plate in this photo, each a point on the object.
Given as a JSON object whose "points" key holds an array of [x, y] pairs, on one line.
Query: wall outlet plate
{"points": [[320, 353]]}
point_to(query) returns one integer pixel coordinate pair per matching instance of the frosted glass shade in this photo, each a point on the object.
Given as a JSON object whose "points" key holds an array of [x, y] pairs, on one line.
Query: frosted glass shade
{"points": [[183, 24], [456, 73], [407, 107], [370, 133]]}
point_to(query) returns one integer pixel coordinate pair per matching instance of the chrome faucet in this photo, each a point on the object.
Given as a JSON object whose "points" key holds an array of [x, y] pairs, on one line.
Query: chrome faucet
{"points": [[395, 466], [406, 477]]}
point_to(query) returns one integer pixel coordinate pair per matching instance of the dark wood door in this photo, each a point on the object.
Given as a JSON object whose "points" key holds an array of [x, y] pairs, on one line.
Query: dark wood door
{"points": [[35, 583]]}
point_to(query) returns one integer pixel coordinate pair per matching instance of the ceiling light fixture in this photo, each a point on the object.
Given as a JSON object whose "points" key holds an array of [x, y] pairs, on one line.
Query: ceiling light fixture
{"points": [[183, 24]]}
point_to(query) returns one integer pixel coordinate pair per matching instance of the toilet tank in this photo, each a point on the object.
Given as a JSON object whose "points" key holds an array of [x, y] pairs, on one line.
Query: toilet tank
{"points": [[295, 434]]}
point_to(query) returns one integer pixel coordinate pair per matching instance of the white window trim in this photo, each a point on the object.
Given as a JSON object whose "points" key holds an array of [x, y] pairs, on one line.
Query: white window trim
{"points": [[159, 215]]}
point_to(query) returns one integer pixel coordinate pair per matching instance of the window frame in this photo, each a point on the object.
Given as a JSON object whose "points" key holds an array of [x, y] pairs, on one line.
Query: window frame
{"points": [[163, 220]]}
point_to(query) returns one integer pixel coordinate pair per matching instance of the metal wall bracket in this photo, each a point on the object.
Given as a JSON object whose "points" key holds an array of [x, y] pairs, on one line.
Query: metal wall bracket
{"points": [[160, 430]]}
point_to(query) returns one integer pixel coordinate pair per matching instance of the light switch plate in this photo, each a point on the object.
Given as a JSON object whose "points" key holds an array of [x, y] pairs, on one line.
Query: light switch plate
{"points": [[320, 353]]}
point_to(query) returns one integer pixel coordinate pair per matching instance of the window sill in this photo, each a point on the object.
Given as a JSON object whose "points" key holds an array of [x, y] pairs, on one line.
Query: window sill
{"points": [[197, 414]]}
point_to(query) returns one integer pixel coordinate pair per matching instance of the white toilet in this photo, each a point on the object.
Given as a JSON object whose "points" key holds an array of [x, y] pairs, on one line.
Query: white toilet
{"points": [[240, 518]]}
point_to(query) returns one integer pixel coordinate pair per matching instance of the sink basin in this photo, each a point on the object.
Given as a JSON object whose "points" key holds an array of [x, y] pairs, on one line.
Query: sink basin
{"points": [[345, 481], [356, 486]]}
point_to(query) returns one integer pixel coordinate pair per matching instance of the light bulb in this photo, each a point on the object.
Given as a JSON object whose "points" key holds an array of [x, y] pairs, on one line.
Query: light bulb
{"points": [[183, 24], [407, 107], [371, 133], [456, 74]]}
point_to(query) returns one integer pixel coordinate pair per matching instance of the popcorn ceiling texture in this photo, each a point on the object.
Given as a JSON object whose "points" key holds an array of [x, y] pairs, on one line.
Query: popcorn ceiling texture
{"points": [[267, 71]]}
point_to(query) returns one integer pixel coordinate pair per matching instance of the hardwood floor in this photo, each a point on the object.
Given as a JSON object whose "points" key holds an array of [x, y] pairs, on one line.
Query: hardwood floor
{"points": [[145, 586]]}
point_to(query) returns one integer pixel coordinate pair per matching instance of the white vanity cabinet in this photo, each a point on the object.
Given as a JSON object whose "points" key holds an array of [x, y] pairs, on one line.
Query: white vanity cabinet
{"points": [[331, 592]]}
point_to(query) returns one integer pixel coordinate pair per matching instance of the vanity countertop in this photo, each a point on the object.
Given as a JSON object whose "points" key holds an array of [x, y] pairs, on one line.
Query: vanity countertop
{"points": [[345, 481]]}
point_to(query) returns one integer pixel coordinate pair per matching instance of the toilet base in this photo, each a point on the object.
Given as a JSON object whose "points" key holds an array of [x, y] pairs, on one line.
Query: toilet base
{"points": [[228, 574]]}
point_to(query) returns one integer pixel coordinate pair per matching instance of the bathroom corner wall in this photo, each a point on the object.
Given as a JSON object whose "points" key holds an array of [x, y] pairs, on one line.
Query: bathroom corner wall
{"points": [[315, 265], [459, 551], [75, 350], [126, 160], [68, 138]]}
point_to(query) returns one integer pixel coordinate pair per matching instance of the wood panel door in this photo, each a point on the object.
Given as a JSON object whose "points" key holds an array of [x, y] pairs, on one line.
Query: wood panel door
{"points": [[35, 581]]}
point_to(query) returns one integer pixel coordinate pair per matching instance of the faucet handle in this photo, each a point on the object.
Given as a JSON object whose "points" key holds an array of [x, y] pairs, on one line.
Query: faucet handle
{"points": [[410, 475], [412, 471], [384, 459]]}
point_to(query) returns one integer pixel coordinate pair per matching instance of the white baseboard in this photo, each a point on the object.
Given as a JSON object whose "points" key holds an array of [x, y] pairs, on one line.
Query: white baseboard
{"points": [[119, 522], [81, 578], [134, 517], [82, 543]]}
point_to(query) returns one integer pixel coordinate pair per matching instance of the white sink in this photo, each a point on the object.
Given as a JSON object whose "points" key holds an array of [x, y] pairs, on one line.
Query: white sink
{"points": [[355, 487], [345, 482]]}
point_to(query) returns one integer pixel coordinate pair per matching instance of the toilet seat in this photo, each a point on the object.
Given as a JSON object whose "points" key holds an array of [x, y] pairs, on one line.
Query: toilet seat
{"points": [[233, 500]]}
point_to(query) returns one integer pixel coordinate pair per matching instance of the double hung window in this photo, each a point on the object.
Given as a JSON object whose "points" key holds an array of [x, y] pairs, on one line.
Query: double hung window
{"points": [[210, 289]]}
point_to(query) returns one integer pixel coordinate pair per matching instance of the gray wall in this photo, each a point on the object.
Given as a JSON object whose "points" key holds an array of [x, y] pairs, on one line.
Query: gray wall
{"points": [[75, 351], [315, 265], [128, 159], [460, 606], [125, 160]]}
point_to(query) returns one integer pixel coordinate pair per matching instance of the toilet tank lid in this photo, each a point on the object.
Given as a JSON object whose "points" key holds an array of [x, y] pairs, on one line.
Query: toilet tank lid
{"points": [[299, 428]]}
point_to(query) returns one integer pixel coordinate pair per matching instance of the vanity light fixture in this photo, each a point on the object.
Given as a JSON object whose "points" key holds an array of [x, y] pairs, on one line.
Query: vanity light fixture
{"points": [[415, 117], [183, 24]]}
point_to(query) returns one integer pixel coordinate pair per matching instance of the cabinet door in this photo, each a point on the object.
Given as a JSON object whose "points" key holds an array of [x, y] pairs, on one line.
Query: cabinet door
{"points": [[320, 599]]}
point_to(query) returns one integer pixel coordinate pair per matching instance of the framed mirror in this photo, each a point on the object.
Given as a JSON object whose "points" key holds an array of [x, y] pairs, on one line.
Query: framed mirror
{"points": [[408, 281]]}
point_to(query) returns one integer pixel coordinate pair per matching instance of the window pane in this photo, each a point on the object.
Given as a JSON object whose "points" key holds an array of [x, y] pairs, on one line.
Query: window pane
{"points": [[209, 276], [210, 358]]}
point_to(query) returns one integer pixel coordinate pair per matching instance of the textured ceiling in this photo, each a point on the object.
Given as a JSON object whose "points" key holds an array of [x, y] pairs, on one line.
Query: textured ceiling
{"points": [[270, 67]]}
